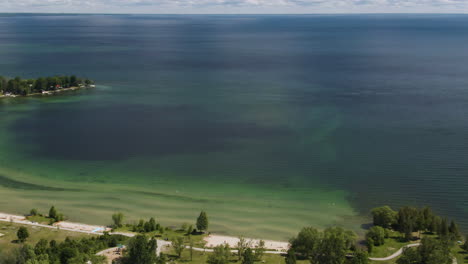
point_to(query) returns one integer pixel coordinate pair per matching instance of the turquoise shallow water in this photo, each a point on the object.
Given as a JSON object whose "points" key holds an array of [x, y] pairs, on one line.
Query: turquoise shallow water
{"points": [[269, 123]]}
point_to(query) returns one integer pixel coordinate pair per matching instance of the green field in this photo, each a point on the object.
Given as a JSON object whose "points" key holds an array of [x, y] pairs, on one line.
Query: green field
{"points": [[8, 238]]}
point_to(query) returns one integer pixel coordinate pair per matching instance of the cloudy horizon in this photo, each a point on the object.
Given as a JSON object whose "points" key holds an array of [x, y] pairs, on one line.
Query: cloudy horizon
{"points": [[233, 6]]}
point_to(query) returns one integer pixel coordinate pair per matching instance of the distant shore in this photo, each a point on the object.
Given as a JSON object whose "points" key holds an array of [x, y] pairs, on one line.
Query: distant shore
{"points": [[50, 92]]}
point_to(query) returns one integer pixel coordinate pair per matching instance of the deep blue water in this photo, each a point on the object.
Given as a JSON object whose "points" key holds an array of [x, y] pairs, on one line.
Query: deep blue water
{"points": [[375, 105]]}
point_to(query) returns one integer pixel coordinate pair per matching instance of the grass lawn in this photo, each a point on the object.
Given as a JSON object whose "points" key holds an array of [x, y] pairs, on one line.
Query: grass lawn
{"points": [[8, 240], [39, 219], [170, 234], [460, 254], [392, 244]]}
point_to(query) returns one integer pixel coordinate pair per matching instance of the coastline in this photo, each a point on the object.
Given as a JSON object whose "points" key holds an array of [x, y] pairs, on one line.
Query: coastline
{"points": [[73, 88], [212, 240]]}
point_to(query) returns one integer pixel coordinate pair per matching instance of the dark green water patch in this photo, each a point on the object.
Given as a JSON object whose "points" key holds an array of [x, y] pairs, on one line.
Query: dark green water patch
{"points": [[176, 197], [120, 131], [13, 184]]}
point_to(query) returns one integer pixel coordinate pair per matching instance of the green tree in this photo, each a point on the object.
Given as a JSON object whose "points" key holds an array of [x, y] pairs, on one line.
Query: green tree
{"points": [[73, 80], [22, 234], [435, 224], [147, 227], [13, 85], [259, 250], [41, 247], [33, 212], [431, 251], [384, 216], [162, 259], [53, 212], [307, 242], [409, 256], [153, 225], [189, 230], [118, 219], [351, 238], [140, 227], [290, 257], [427, 216], [141, 251], [377, 234], [202, 221], [408, 219], [178, 245], [434, 251], [370, 244], [25, 253], [248, 257], [242, 245], [333, 247], [443, 228], [39, 260], [68, 253], [360, 257], [453, 231], [220, 255], [59, 217]]}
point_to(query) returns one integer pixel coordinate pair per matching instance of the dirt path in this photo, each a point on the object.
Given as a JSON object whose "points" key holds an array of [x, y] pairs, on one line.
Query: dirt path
{"points": [[396, 254]]}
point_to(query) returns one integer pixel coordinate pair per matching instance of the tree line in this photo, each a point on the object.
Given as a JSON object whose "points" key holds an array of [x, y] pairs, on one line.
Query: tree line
{"points": [[331, 245], [53, 216], [434, 249], [67, 252], [19, 86], [409, 220], [151, 225]]}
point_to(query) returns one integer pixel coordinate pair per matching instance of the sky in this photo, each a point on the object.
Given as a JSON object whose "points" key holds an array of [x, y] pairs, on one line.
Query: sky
{"points": [[234, 6]]}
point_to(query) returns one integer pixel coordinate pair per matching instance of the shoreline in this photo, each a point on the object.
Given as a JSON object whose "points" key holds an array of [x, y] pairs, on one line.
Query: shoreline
{"points": [[51, 92], [272, 247], [212, 240]]}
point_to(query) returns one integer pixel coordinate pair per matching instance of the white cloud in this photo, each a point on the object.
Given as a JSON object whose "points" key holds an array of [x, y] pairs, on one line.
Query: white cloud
{"points": [[234, 6]]}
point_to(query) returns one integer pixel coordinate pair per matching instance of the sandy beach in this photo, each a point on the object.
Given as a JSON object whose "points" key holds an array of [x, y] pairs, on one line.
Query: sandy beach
{"points": [[82, 227], [69, 226], [215, 240]]}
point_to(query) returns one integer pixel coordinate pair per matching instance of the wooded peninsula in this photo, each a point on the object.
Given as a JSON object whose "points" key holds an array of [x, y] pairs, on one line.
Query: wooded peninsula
{"points": [[12, 87]]}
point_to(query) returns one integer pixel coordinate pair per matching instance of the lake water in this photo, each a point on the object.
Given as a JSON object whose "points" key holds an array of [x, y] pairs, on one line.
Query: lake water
{"points": [[269, 123]]}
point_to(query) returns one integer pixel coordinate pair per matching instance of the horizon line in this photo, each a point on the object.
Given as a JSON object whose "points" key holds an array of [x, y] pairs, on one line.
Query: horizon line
{"points": [[233, 14]]}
